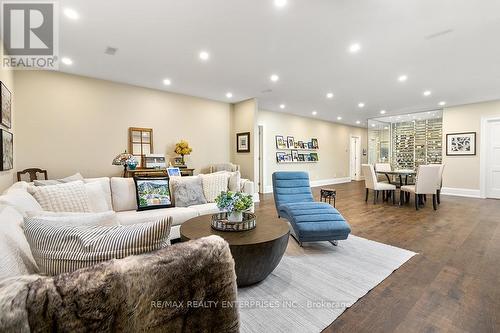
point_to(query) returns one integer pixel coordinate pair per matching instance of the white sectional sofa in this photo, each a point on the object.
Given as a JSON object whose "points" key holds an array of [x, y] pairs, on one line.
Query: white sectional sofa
{"points": [[121, 197]]}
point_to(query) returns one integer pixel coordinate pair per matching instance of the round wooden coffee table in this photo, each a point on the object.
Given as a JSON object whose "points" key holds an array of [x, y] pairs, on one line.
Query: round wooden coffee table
{"points": [[256, 252]]}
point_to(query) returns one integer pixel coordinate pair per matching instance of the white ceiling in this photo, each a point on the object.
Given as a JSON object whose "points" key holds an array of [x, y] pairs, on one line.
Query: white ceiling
{"points": [[305, 43]]}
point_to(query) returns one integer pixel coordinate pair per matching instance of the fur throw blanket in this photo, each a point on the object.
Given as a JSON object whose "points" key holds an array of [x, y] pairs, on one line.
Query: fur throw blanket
{"points": [[187, 287]]}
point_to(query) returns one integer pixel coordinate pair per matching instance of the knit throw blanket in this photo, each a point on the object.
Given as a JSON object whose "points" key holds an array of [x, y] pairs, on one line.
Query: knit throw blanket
{"points": [[187, 287]]}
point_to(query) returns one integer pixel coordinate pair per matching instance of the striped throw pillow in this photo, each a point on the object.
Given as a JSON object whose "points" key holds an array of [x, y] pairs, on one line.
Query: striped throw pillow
{"points": [[61, 249], [69, 197]]}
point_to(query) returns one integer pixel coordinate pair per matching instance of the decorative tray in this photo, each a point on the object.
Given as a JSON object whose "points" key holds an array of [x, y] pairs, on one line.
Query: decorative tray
{"points": [[220, 222]]}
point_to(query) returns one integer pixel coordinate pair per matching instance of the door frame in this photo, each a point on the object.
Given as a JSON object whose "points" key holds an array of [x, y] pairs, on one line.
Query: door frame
{"points": [[358, 166], [261, 158], [483, 152]]}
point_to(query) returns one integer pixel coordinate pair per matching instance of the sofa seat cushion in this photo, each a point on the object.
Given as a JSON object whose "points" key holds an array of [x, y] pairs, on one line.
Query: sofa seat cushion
{"points": [[178, 214], [315, 221], [205, 209]]}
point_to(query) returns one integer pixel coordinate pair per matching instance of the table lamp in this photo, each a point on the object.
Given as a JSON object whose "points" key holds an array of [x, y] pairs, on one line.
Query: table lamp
{"points": [[123, 159]]}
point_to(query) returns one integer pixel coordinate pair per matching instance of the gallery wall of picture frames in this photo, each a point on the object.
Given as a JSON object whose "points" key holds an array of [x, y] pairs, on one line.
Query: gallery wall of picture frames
{"points": [[6, 138], [290, 150]]}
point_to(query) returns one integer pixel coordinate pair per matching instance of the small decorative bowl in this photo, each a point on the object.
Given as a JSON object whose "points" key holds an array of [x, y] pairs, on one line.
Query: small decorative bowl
{"points": [[221, 223]]}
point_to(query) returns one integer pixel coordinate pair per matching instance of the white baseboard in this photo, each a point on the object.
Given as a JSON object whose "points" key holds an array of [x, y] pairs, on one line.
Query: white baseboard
{"points": [[315, 183], [461, 192]]}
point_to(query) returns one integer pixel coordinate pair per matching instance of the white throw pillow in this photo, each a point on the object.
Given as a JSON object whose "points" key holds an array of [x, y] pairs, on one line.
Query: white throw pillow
{"points": [[123, 193], [214, 184], [16, 258], [106, 188], [234, 181], [20, 200], [97, 200], [107, 218], [72, 178], [69, 197], [60, 249]]}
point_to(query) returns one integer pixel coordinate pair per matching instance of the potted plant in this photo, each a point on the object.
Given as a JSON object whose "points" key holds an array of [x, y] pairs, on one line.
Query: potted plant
{"points": [[182, 148], [234, 203]]}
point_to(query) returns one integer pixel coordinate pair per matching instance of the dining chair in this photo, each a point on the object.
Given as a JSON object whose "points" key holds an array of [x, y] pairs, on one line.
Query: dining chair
{"points": [[383, 167], [33, 174], [426, 180], [372, 183], [440, 183]]}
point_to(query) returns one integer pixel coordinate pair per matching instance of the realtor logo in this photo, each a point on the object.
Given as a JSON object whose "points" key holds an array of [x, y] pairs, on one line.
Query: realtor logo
{"points": [[29, 35]]}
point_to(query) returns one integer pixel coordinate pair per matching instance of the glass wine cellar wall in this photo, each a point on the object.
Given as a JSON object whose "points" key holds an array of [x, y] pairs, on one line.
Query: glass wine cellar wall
{"points": [[406, 141]]}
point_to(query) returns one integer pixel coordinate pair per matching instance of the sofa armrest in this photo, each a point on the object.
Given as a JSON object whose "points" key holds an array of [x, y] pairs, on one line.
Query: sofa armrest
{"points": [[186, 287]]}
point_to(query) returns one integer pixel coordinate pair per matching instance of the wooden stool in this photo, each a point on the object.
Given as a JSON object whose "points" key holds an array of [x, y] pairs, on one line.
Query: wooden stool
{"points": [[328, 193]]}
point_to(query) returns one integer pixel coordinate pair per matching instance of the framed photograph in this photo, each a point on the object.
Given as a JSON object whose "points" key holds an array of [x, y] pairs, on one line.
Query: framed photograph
{"points": [[314, 143], [280, 157], [178, 161], [309, 145], [300, 144], [288, 158], [280, 142], [174, 172], [6, 102], [243, 142], [152, 193], [290, 142], [301, 158], [6, 150], [314, 157], [461, 144], [295, 156]]}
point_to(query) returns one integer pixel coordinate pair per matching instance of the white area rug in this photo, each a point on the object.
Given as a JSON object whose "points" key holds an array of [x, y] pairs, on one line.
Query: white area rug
{"points": [[307, 293]]}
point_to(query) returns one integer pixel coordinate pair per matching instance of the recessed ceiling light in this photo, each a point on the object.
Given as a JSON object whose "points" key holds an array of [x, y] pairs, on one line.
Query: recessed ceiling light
{"points": [[402, 78], [329, 95], [67, 61], [339, 118], [229, 94], [167, 82], [280, 3], [386, 128], [71, 13], [274, 78], [358, 122], [427, 93], [282, 106], [314, 112], [354, 47], [382, 111], [442, 103], [373, 125], [204, 55], [361, 105]]}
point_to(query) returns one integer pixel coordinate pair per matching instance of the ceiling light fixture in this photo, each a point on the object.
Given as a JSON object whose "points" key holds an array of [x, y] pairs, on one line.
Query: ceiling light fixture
{"points": [[229, 94], [204, 55], [382, 111], [442, 103], [339, 118], [358, 122], [274, 78], [314, 112], [402, 78], [282, 106], [373, 125], [280, 3], [361, 105], [167, 82], [71, 13], [354, 47], [329, 95], [427, 93], [67, 61]]}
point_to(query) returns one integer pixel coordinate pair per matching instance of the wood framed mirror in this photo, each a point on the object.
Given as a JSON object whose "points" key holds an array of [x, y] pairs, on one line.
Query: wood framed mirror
{"points": [[140, 143]]}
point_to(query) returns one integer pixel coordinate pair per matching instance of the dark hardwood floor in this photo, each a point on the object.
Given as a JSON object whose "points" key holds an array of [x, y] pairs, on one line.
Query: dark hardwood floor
{"points": [[453, 285]]}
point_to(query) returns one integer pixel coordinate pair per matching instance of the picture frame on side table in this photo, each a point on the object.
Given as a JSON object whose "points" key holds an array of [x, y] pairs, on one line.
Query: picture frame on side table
{"points": [[174, 172], [6, 150], [243, 142], [280, 142], [461, 144], [290, 142], [6, 105]]}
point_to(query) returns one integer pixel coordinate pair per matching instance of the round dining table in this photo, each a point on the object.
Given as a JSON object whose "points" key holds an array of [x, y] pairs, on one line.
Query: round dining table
{"points": [[400, 173]]}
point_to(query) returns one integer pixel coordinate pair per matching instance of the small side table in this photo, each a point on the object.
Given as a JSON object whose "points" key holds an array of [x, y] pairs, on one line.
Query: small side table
{"points": [[328, 194]]}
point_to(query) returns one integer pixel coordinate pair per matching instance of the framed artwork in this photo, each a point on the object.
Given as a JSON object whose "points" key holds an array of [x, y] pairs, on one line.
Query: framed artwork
{"points": [[288, 158], [314, 143], [309, 145], [152, 193], [6, 103], [174, 172], [6, 150], [301, 144], [461, 144], [280, 142], [243, 142], [290, 142], [314, 157], [280, 157], [178, 161], [295, 156], [301, 158]]}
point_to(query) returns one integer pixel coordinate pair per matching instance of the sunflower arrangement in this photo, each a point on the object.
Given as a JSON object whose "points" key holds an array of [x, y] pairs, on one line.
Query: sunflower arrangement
{"points": [[182, 148]]}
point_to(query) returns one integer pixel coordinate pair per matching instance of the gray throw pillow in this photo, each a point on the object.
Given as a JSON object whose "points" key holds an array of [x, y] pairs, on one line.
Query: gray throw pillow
{"points": [[188, 191]]}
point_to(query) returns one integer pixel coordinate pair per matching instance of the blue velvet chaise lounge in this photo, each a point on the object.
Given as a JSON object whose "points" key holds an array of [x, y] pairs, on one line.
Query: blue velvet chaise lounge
{"points": [[311, 221]]}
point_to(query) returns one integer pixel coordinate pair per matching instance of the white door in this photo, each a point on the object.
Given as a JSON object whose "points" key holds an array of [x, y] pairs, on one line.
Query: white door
{"points": [[355, 159], [261, 159], [493, 159]]}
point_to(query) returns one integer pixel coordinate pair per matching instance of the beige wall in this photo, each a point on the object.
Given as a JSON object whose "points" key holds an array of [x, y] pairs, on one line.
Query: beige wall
{"points": [[67, 123], [463, 172], [334, 141], [8, 177], [243, 120]]}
